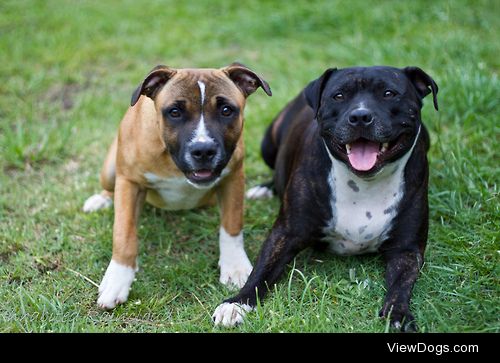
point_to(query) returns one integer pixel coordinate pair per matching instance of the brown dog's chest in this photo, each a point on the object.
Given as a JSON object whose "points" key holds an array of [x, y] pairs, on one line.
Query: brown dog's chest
{"points": [[175, 193]]}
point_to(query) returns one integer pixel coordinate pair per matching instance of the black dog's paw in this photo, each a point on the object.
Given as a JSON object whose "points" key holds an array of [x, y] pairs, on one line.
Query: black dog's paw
{"points": [[400, 318], [261, 191]]}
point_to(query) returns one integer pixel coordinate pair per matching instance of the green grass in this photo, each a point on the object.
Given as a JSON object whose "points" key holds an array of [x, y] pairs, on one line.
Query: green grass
{"points": [[67, 71]]}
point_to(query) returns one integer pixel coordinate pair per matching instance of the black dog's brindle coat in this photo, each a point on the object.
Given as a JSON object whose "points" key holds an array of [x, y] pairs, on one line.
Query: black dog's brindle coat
{"points": [[295, 149]]}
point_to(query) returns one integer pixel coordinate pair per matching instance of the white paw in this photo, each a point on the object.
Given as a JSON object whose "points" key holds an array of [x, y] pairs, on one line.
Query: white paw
{"points": [[96, 202], [230, 314], [115, 285], [259, 192], [234, 263], [234, 274]]}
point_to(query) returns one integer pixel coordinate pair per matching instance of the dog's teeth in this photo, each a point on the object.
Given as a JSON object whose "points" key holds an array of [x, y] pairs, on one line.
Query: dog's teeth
{"points": [[385, 146], [348, 148]]}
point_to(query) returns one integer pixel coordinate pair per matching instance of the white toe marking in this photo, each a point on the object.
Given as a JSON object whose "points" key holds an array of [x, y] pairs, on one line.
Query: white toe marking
{"points": [[230, 314], [259, 192], [96, 202], [115, 285], [234, 263]]}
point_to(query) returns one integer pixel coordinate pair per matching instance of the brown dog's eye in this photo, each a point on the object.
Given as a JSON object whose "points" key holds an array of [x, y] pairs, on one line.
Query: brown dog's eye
{"points": [[174, 112], [389, 94], [226, 111], [338, 97]]}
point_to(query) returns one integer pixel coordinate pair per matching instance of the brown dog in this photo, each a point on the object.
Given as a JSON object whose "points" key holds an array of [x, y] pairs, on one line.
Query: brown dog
{"points": [[179, 146]]}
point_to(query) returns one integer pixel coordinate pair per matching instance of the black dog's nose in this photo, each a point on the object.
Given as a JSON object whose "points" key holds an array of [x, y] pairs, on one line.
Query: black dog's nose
{"points": [[203, 151], [361, 116]]}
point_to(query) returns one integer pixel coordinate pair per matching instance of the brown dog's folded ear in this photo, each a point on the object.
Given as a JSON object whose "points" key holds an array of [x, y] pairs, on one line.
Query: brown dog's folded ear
{"points": [[422, 81], [153, 82], [314, 90], [245, 79]]}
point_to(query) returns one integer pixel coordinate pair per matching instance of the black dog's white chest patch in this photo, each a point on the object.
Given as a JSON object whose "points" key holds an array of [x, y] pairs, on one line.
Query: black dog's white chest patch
{"points": [[363, 209]]}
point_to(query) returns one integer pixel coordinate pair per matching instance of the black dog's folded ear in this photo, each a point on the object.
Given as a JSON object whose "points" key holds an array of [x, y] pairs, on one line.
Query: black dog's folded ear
{"points": [[422, 81], [246, 80], [314, 90], [153, 82]]}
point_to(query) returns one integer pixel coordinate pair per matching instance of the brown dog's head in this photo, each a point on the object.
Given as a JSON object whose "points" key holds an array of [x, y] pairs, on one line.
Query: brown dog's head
{"points": [[200, 113]]}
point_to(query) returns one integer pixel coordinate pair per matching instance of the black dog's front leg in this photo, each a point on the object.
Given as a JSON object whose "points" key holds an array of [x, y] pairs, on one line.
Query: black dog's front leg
{"points": [[278, 250], [402, 269], [403, 252]]}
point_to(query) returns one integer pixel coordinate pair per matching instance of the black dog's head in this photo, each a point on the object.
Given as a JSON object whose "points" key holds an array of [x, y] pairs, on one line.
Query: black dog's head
{"points": [[369, 116]]}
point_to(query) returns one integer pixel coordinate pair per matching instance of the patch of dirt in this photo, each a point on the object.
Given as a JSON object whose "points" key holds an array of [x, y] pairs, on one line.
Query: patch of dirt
{"points": [[64, 94], [47, 263], [18, 280], [11, 251], [72, 166]]}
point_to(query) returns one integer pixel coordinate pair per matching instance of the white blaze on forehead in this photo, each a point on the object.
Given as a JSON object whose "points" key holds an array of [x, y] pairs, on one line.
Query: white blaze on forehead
{"points": [[202, 92], [201, 132]]}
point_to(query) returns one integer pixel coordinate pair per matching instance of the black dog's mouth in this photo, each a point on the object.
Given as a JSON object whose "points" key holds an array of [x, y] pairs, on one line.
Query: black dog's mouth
{"points": [[366, 156]]}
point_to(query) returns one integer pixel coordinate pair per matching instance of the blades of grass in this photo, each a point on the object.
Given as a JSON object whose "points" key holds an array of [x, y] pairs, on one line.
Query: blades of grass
{"points": [[82, 276], [290, 279], [306, 290]]}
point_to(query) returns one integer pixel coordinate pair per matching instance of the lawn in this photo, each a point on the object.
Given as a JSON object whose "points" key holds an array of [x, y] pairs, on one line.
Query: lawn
{"points": [[67, 72]]}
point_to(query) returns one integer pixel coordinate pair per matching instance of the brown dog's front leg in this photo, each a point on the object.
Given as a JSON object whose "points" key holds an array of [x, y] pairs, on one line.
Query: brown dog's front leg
{"points": [[233, 261], [115, 285]]}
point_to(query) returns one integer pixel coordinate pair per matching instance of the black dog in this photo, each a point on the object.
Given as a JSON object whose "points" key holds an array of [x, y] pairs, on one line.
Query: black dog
{"points": [[349, 154]]}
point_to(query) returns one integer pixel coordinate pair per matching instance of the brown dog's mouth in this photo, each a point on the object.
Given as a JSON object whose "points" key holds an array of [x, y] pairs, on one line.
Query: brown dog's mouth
{"points": [[202, 176]]}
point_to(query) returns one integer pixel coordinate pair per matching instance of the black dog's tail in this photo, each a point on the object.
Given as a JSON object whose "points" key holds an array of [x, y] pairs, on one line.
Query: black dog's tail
{"points": [[276, 132], [269, 152], [268, 149]]}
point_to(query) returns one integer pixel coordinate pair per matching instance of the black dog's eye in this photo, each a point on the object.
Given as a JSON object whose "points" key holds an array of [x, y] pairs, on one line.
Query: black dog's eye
{"points": [[226, 111], [389, 94], [174, 112], [338, 96]]}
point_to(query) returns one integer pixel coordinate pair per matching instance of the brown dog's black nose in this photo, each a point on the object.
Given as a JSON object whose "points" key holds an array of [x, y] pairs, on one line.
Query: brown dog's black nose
{"points": [[360, 116], [203, 151]]}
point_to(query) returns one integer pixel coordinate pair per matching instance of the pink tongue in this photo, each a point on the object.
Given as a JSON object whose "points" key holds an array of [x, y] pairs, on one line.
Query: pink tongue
{"points": [[363, 155]]}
